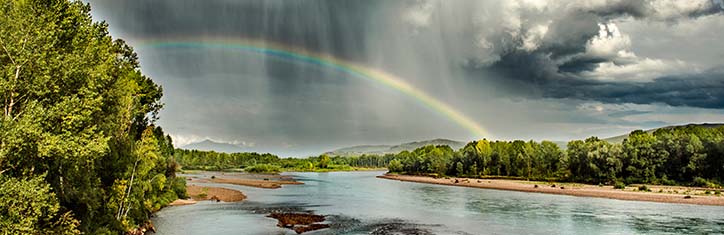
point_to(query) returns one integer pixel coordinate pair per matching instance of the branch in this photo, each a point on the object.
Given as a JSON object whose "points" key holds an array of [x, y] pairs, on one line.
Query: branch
{"points": [[6, 51]]}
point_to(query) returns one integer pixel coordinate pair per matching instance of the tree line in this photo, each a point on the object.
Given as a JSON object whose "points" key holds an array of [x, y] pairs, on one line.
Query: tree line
{"points": [[79, 151], [251, 161], [685, 155], [689, 155], [211, 160]]}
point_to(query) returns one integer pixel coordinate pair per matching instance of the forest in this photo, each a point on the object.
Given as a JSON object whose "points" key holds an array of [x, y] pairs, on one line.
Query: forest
{"points": [[218, 161], [684, 155], [79, 150]]}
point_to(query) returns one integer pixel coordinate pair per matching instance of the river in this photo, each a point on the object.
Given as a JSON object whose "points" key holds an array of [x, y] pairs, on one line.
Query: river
{"points": [[359, 203]]}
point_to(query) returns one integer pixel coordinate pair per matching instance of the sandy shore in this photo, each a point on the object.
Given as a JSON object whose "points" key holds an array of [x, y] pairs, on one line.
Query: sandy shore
{"points": [[270, 181], [199, 193], [254, 183], [666, 194], [182, 202]]}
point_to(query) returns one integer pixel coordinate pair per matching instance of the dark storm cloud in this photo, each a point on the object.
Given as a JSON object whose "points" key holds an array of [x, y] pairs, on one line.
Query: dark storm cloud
{"points": [[647, 9], [704, 90], [561, 64]]}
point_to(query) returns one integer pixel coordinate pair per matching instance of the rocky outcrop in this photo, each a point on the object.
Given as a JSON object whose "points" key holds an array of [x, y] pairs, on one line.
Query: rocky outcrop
{"points": [[299, 222]]}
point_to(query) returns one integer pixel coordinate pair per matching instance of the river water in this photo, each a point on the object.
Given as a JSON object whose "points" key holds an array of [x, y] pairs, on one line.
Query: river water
{"points": [[359, 203]]}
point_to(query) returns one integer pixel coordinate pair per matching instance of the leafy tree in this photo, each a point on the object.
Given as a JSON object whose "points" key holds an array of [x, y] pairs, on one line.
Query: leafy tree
{"points": [[28, 206], [75, 111], [395, 166]]}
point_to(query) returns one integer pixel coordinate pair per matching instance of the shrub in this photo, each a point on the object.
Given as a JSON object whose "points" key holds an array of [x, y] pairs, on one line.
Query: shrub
{"points": [[644, 188], [701, 182], [717, 192], [178, 185], [665, 181], [263, 168], [619, 185]]}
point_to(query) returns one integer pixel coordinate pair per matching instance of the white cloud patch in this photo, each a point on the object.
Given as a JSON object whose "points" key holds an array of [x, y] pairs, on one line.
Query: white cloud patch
{"points": [[180, 140], [534, 37], [418, 15]]}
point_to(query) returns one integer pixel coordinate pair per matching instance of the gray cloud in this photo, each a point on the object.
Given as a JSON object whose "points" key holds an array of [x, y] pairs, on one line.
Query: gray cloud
{"points": [[515, 67], [584, 55]]}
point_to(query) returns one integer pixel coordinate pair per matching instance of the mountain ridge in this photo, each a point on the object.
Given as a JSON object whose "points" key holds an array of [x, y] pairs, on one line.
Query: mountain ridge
{"points": [[619, 138], [210, 145], [385, 149]]}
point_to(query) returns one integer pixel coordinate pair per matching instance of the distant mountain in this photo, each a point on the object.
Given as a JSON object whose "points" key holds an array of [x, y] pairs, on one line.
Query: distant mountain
{"points": [[384, 149], [620, 138], [210, 145], [363, 149], [414, 145]]}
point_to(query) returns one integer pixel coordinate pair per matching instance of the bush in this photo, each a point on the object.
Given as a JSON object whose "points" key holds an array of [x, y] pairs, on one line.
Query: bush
{"points": [[178, 185], [701, 182], [619, 185], [644, 188], [666, 181], [263, 168]]}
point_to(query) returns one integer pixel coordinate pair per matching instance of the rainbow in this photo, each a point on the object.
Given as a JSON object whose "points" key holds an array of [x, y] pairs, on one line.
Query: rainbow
{"points": [[324, 60]]}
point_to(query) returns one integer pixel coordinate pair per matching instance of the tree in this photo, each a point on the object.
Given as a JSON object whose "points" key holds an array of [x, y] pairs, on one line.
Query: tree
{"points": [[395, 166], [75, 105], [641, 159], [28, 206], [324, 161]]}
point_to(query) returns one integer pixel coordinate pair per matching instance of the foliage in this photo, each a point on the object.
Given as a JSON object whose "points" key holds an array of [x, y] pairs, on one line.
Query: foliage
{"points": [[263, 168], [395, 166], [324, 161], [210, 160], [619, 185], [678, 155], [701, 182], [77, 122], [28, 206]]}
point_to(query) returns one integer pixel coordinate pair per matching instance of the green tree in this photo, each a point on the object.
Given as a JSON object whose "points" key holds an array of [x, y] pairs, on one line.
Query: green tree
{"points": [[395, 166], [30, 207], [74, 107], [324, 161]]}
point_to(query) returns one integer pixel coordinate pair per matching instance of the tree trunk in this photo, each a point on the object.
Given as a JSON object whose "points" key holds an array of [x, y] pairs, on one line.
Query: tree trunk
{"points": [[121, 213], [11, 103]]}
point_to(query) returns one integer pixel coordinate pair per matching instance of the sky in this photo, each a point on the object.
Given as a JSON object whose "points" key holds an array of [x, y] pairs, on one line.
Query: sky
{"points": [[248, 72]]}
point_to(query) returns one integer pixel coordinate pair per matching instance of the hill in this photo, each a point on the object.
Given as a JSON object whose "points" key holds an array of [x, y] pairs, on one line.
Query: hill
{"points": [[384, 149], [210, 145], [619, 139]]}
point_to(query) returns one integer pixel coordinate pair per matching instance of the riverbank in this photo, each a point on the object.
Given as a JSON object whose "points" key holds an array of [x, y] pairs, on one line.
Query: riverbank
{"points": [[268, 181], [665, 194], [254, 183], [200, 193]]}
